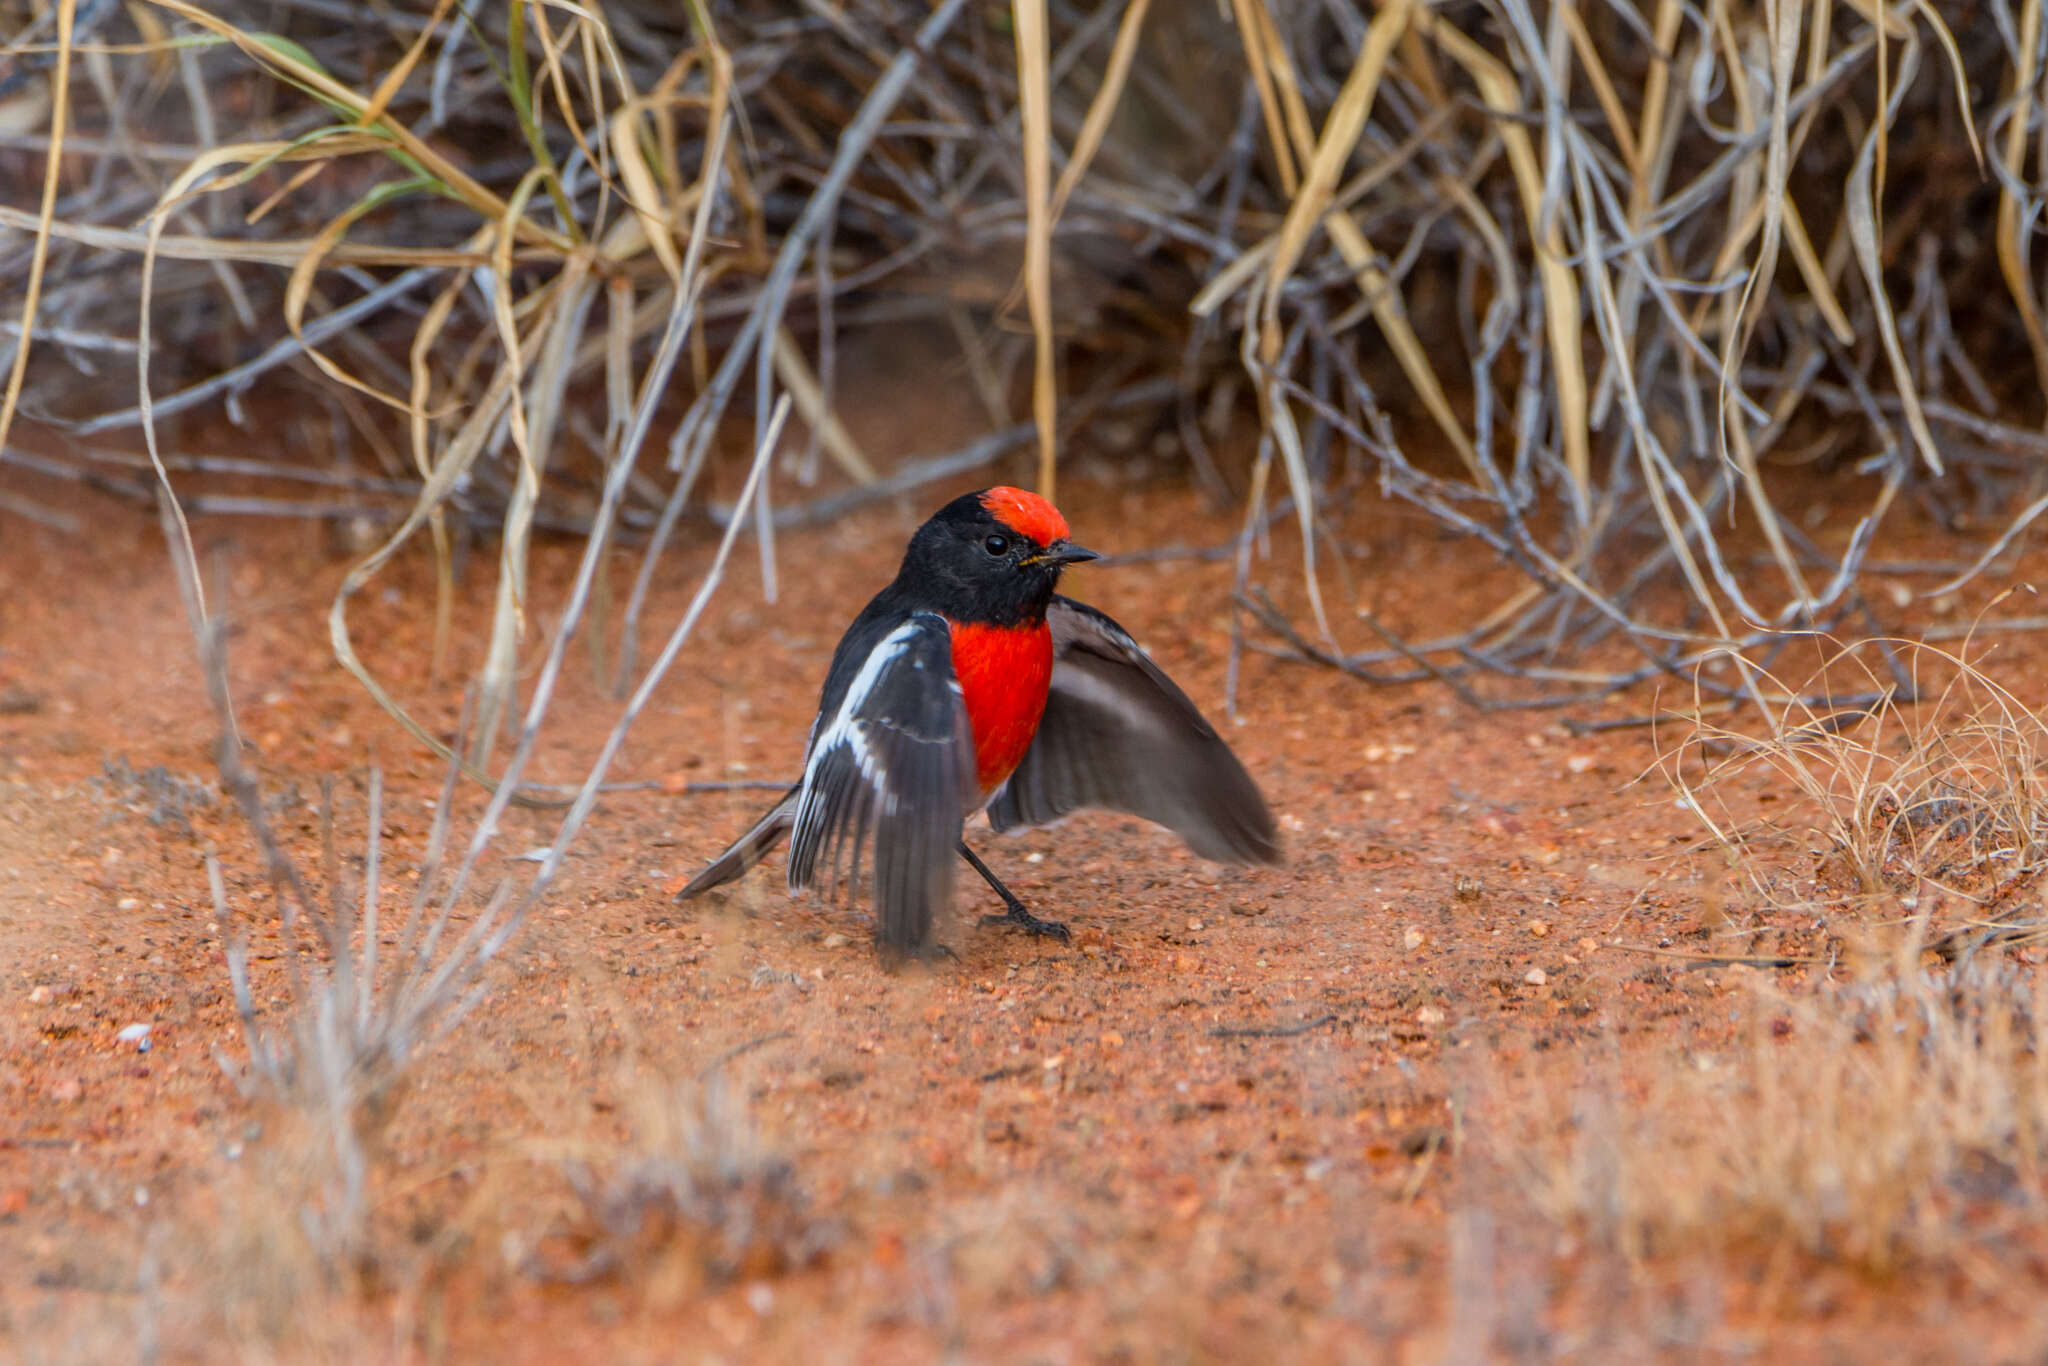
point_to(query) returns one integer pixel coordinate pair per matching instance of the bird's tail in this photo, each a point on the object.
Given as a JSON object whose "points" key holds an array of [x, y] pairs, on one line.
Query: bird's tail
{"points": [[749, 849]]}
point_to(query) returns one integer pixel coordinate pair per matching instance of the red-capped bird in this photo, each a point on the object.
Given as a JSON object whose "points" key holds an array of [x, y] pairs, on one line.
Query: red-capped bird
{"points": [[968, 683]]}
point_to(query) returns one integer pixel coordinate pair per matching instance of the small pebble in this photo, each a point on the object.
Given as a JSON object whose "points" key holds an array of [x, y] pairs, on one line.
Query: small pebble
{"points": [[1539, 928], [1430, 1015], [836, 941], [39, 997], [1412, 937], [1579, 763], [1535, 977], [137, 1034], [128, 903], [67, 1090], [1196, 925]]}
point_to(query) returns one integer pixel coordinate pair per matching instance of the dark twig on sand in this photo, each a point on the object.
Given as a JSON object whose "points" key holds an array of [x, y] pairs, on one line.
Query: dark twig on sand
{"points": [[1271, 1031]]}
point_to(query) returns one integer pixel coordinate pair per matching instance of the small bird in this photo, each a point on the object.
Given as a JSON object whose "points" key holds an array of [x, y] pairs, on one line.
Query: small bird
{"points": [[969, 684]]}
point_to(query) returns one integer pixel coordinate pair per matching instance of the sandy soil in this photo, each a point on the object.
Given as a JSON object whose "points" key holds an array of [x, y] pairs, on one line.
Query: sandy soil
{"points": [[1246, 1116]]}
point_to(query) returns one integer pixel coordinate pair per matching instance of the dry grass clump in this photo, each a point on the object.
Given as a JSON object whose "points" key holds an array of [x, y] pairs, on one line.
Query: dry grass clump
{"points": [[1903, 785], [697, 1198], [360, 1007], [1895, 1122]]}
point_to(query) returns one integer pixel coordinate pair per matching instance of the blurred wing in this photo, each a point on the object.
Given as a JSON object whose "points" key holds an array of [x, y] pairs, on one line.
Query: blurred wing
{"points": [[1118, 734], [894, 764]]}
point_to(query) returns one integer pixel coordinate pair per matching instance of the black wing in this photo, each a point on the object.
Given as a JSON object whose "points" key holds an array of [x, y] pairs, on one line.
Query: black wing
{"points": [[892, 763], [1118, 734]]}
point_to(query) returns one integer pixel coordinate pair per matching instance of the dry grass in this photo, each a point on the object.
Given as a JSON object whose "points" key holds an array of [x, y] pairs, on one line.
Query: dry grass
{"points": [[1615, 263], [1900, 784], [356, 1017], [1577, 282], [696, 1199], [1887, 1106], [1900, 1121]]}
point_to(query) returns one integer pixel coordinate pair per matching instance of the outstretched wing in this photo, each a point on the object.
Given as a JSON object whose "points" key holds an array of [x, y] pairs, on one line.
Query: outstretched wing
{"points": [[1118, 734], [892, 765]]}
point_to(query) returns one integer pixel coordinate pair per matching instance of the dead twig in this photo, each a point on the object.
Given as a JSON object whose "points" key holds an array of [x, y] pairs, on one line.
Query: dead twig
{"points": [[1271, 1031]]}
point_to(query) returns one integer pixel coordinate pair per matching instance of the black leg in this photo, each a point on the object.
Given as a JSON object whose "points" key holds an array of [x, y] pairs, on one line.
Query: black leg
{"points": [[1017, 915]]}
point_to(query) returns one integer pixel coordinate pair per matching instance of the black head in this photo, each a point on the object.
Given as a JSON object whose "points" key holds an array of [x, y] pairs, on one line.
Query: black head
{"points": [[993, 556]]}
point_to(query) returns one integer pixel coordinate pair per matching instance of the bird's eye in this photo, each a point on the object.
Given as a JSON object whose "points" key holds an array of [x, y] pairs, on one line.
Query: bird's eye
{"points": [[996, 545]]}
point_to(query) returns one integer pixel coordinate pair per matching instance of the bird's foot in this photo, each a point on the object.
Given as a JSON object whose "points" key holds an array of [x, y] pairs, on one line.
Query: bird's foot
{"points": [[1024, 920]]}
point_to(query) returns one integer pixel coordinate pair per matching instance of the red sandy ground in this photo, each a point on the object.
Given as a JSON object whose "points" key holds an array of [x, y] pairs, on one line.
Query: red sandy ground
{"points": [[1037, 1153]]}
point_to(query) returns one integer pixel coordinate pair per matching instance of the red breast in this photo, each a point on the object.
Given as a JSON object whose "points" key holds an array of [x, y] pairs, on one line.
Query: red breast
{"points": [[1005, 673]]}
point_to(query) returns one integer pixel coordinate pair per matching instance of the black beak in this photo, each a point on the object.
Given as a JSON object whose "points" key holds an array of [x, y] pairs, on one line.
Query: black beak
{"points": [[1065, 552]]}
